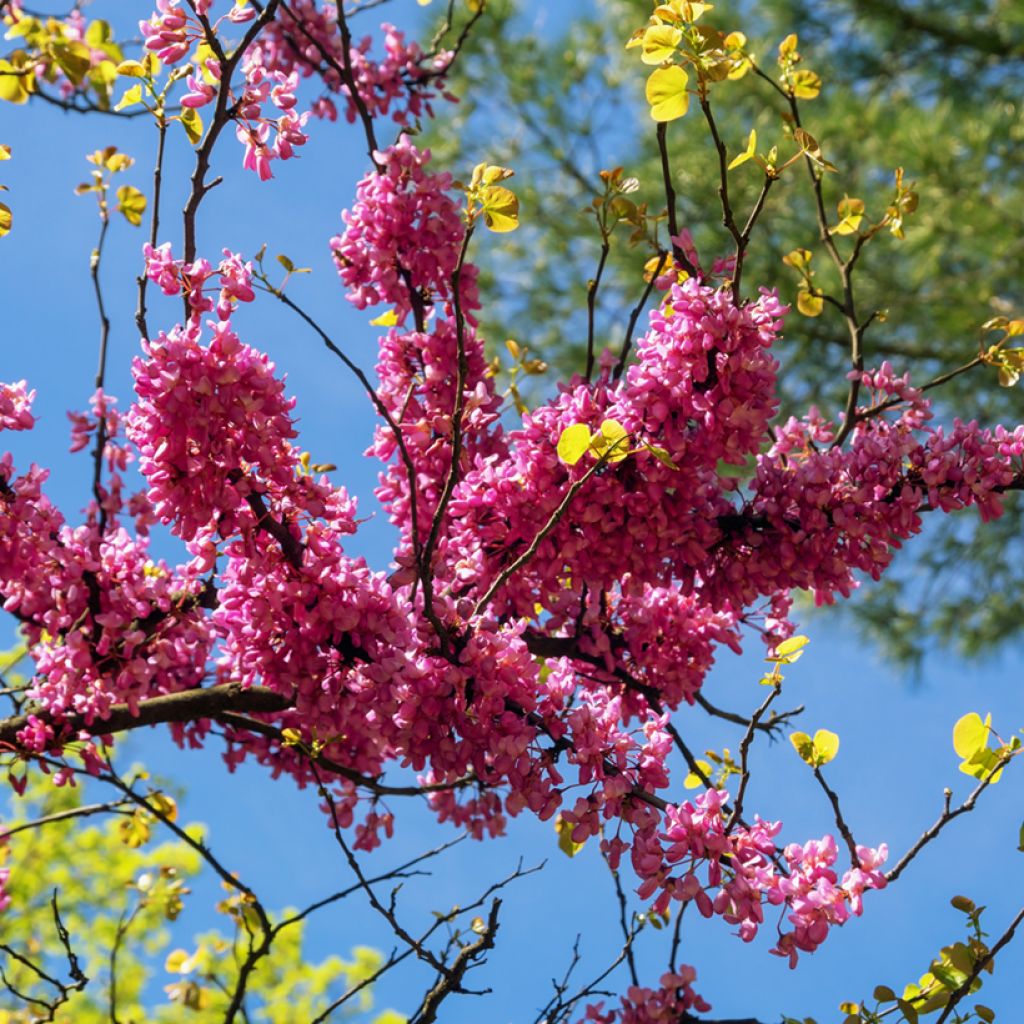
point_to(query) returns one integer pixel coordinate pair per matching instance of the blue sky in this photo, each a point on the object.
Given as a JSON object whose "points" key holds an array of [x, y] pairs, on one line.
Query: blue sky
{"points": [[896, 753]]}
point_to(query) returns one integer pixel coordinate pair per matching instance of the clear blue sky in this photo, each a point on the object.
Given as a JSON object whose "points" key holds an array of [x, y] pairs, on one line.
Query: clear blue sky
{"points": [[896, 754]]}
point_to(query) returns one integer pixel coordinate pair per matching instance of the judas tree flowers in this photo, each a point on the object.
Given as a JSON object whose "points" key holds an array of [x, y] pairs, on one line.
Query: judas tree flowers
{"points": [[542, 617]]}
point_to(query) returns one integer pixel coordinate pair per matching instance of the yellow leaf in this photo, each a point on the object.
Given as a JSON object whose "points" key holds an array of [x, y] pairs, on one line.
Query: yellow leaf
{"points": [[16, 83], [177, 961], [388, 319], [789, 651], [5, 152], [809, 303], [612, 440], [693, 780], [666, 93], [787, 48], [805, 85], [573, 443], [135, 831], [130, 98], [826, 746], [131, 69], [500, 208], [970, 734], [803, 745], [192, 123], [659, 43], [565, 841], [798, 259], [5, 220], [132, 203], [851, 212], [747, 153], [164, 805]]}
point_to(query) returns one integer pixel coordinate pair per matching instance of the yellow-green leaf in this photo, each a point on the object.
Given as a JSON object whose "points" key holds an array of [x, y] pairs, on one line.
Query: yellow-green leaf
{"points": [[164, 805], [970, 734], [693, 780], [612, 441], [851, 213], [500, 208], [809, 303], [748, 152], [16, 83], [826, 746], [659, 43], [131, 69], [565, 841], [135, 831], [666, 93], [790, 650], [573, 443], [804, 85], [130, 98], [803, 745], [73, 58], [177, 962], [388, 319], [192, 123], [132, 203], [798, 259]]}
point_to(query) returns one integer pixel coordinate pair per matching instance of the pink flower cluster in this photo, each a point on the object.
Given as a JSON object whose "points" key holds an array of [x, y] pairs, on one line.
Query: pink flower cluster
{"points": [[16, 406], [665, 1005], [402, 237], [234, 280], [306, 40], [212, 426], [170, 32], [743, 865]]}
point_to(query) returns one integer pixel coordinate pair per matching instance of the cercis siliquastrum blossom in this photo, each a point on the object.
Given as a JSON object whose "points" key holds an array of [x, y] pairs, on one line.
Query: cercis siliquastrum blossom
{"points": [[629, 589]]}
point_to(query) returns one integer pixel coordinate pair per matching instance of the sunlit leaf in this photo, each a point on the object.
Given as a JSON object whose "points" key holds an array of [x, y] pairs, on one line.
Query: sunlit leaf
{"points": [[666, 93], [970, 734], [809, 303], [659, 43], [805, 85], [826, 746], [132, 203], [747, 153], [500, 208], [574, 443]]}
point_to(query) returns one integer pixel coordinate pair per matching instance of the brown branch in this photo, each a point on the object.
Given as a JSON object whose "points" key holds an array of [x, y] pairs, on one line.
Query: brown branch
{"points": [[154, 228], [947, 816], [101, 369], [221, 115], [627, 342], [240, 721], [745, 743], [427, 556], [451, 981], [186, 706], [670, 200], [113, 807], [844, 829], [592, 286]]}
